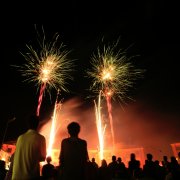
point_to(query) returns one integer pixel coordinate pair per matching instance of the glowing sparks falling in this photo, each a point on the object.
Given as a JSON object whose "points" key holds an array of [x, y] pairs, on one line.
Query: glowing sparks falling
{"points": [[57, 108], [48, 68], [113, 74], [100, 127]]}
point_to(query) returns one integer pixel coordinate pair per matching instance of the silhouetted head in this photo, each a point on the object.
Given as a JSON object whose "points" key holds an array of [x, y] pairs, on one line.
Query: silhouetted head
{"points": [[113, 158], [173, 160], [93, 159], [33, 122], [48, 159], [103, 163], [149, 157], [119, 159], [165, 158], [2, 164], [133, 156], [73, 129]]}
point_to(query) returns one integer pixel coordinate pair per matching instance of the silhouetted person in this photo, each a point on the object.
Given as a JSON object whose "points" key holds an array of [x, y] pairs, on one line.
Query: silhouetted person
{"points": [[133, 164], [94, 163], [120, 163], [9, 173], [165, 163], [149, 167], [48, 170], [30, 150], [138, 173], [160, 172], [2, 169], [113, 167], [92, 170], [174, 169], [103, 171], [73, 155], [122, 170]]}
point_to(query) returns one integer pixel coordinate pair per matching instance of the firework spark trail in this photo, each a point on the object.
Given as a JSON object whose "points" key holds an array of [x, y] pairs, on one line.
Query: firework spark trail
{"points": [[43, 86], [57, 108], [51, 138], [52, 131], [100, 128]]}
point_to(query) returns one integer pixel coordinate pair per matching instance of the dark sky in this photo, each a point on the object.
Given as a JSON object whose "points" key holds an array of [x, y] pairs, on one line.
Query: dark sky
{"points": [[150, 27]]}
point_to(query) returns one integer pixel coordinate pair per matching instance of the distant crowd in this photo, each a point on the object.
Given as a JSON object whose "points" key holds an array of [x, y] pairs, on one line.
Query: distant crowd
{"points": [[167, 169], [74, 162]]}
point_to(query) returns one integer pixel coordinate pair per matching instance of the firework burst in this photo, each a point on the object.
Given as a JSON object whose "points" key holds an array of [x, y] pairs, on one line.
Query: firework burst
{"points": [[48, 67], [112, 73]]}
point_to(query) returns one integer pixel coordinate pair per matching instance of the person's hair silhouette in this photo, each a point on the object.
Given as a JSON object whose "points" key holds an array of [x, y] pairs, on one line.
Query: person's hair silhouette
{"points": [[33, 122], [73, 129]]}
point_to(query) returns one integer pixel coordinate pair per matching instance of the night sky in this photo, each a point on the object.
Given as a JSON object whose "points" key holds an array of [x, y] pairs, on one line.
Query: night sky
{"points": [[149, 28]]}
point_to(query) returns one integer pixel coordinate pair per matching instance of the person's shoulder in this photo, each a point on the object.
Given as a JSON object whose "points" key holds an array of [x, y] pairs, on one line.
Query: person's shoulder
{"points": [[45, 166], [83, 141], [65, 140], [39, 135], [21, 135], [110, 163], [52, 166]]}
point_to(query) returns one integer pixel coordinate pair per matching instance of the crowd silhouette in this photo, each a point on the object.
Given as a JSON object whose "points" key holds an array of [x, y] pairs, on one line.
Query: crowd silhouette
{"points": [[74, 164]]}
